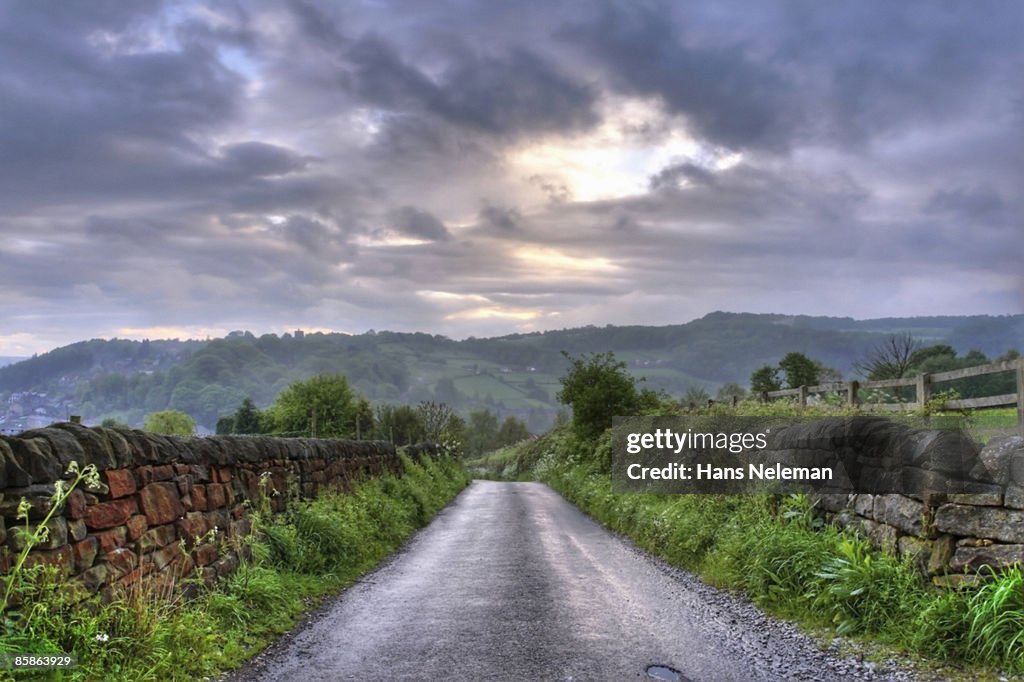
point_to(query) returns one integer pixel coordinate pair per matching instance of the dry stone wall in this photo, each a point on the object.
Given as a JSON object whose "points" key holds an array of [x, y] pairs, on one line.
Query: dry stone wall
{"points": [[167, 507], [953, 537]]}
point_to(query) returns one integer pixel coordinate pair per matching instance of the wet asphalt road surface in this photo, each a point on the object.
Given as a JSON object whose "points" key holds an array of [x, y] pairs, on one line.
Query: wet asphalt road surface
{"points": [[511, 582]]}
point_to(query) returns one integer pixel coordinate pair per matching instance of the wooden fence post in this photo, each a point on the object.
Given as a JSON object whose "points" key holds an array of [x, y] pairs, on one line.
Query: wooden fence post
{"points": [[1020, 397], [923, 389], [851, 393], [803, 397]]}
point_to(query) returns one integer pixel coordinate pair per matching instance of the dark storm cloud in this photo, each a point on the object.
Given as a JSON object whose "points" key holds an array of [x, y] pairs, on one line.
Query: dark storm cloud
{"points": [[558, 163], [979, 203], [518, 92], [726, 96], [503, 218], [416, 223], [261, 159]]}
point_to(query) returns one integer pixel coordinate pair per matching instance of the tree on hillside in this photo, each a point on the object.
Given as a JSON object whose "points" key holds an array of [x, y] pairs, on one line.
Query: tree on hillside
{"points": [[597, 388], [799, 369], [481, 432], [437, 420], [323, 407], [246, 418], [730, 390], [940, 355], [361, 425], [398, 424], [114, 423], [827, 374], [170, 423], [765, 379], [512, 431], [890, 359]]}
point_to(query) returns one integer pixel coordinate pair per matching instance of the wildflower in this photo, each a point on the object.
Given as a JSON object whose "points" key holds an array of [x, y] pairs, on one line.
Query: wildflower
{"points": [[102, 637]]}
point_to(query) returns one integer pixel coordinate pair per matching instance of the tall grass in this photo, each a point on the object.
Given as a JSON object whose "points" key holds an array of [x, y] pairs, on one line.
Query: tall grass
{"points": [[152, 633], [781, 555]]}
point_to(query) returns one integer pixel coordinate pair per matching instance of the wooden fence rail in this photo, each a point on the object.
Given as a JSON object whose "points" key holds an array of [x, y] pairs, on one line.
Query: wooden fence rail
{"points": [[923, 389]]}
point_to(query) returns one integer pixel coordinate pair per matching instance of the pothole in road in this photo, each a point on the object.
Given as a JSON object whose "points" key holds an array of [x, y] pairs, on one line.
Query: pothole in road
{"points": [[666, 674]]}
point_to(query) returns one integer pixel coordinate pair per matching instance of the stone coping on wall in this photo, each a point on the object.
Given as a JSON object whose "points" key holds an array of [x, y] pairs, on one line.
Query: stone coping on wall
{"points": [[166, 506]]}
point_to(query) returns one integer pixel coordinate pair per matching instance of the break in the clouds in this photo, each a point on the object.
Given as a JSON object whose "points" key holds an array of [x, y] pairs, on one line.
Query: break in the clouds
{"points": [[473, 168]]}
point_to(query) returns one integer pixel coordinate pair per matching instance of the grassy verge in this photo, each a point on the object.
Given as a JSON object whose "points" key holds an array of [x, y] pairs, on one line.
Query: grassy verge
{"points": [[779, 553], [310, 551], [499, 465]]}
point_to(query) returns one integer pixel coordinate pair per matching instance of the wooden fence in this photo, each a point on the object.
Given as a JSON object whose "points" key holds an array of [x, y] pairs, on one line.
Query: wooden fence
{"points": [[923, 389]]}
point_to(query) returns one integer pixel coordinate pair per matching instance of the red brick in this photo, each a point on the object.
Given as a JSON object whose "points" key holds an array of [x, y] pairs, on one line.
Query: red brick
{"points": [[112, 539], [164, 556], [76, 506], [136, 573], [224, 475], [215, 498], [181, 469], [121, 482], [136, 525], [205, 554], [61, 558], [160, 503], [199, 497], [110, 514], [158, 537], [122, 560], [143, 475], [191, 527], [164, 472]]}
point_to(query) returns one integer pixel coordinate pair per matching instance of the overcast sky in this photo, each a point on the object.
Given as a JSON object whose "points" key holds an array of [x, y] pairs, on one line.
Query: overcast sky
{"points": [[478, 168]]}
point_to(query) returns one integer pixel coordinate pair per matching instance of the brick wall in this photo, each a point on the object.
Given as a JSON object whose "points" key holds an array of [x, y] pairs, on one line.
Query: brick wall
{"points": [[159, 492]]}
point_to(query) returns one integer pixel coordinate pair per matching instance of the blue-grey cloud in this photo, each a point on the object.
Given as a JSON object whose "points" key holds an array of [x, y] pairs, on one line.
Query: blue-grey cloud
{"points": [[553, 163]]}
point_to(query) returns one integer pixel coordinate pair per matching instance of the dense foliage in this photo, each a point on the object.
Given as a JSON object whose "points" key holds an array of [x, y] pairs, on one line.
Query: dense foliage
{"points": [[598, 387], [513, 375], [170, 423]]}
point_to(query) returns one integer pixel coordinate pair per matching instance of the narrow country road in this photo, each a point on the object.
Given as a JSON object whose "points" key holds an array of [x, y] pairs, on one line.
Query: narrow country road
{"points": [[511, 582]]}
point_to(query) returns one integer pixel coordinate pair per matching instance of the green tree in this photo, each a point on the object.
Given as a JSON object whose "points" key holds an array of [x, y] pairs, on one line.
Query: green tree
{"points": [[481, 432], [799, 369], [225, 425], [399, 424], [113, 423], [323, 407], [246, 418], [597, 388], [765, 379], [730, 390], [170, 423], [436, 419], [512, 431]]}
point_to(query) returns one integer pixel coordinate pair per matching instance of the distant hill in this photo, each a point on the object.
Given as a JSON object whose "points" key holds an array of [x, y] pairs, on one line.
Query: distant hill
{"points": [[8, 360], [515, 374]]}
